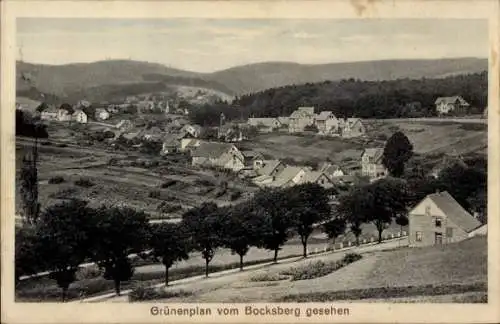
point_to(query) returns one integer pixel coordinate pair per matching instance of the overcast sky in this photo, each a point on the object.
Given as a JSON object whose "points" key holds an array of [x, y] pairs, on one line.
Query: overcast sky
{"points": [[206, 45]]}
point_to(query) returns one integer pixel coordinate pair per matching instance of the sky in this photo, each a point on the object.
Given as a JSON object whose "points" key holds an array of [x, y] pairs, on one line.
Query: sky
{"points": [[208, 45]]}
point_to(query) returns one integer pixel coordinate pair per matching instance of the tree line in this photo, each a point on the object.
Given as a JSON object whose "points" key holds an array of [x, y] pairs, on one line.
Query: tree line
{"points": [[403, 98], [65, 235]]}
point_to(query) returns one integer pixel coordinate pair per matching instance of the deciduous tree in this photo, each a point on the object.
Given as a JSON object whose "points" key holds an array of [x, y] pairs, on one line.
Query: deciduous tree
{"points": [[64, 233], [204, 227], [334, 228], [273, 204], [309, 206], [244, 226], [120, 231], [169, 242], [398, 150]]}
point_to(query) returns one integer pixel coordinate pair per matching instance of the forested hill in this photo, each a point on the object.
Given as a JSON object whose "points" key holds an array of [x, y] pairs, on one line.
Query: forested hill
{"points": [[364, 99]]}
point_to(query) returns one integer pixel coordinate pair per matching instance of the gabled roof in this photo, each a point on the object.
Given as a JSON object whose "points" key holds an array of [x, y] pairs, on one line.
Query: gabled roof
{"points": [[286, 175], [329, 168], [353, 121], [269, 167], [451, 100], [375, 154], [452, 209], [303, 112], [251, 154], [324, 115], [211, 149], [313, 176]]}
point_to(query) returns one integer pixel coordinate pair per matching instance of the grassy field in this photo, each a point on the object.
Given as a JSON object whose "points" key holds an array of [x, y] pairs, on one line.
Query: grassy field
{"points": [[451, 273], [426, 138]]}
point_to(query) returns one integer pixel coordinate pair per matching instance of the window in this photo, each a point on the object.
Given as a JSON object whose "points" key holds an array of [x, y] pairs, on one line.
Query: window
{"points": [[449, 232], [438, 222], [427, 210], [418, 236]]}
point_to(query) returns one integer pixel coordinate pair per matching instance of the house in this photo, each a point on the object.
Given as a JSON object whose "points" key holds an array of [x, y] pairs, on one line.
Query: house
{"points": [[193, 130], [230, 133], [332, 170], [317, 177], [215, 154], [253, 160], [79, 116], [188, 144], [300, 119], [327, 123], [270, 167], [289, 176], [265, 125], [101, 113], [351, 127], [485, 113], [284, 121], [455, 104], [113, 109], [124, 125], [170, 145], [371, 163], [439, 219], [50, 113], [154, 134], [64, 113]]}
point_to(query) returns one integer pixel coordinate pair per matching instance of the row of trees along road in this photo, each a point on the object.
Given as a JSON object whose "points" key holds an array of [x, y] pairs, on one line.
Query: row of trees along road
{"points": [[71, 233]]}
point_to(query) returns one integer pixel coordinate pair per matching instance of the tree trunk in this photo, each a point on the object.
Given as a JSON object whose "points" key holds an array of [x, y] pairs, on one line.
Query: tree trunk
{"points": [[380, 236], [117, 287], [304, 247], [241, 262], [206, 268], [276, 255], [166, 276], [63, 296], [357, 240]]}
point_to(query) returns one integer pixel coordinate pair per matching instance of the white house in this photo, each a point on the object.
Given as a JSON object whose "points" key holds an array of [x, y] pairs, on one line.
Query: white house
{"points": [[327, 123], [102, 114], [79, 116]]}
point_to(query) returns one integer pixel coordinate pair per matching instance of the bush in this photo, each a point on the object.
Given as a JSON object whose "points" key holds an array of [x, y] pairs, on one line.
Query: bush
{"points": [[84, 182], [319, 268], [56, 180], [143, 293], [386, 292], [351, 257], [264, 276]]}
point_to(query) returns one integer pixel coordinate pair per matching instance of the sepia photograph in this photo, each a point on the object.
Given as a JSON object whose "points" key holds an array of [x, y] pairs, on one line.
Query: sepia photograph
{"points": [[250, 160]]}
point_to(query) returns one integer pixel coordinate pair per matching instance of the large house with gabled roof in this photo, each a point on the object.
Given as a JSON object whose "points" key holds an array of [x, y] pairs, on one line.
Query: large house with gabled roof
{"points": [[327, 123], [371, 163], [439, 219], [300, 119], [455, 104], [215, 154]]}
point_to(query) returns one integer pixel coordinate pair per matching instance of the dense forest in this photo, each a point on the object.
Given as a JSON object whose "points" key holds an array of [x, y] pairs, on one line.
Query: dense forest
{"points": [[347, 98]]}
